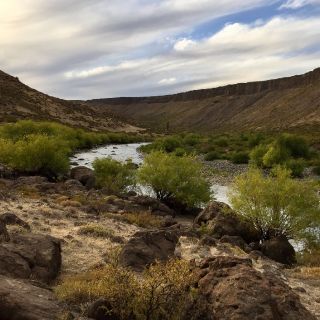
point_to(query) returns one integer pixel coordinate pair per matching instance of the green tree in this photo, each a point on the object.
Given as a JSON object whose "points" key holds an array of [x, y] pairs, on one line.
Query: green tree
{"points": [[277, 204], [175, 178], [114, 176]]}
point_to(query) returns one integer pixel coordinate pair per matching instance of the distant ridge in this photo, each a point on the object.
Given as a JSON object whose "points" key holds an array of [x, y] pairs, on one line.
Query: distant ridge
{"points": [[285, 103], [18, 101]]}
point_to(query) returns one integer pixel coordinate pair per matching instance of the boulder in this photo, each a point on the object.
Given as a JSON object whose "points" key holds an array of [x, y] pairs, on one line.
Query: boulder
{"points": [[83, 174], [155, 206], [236, 241], [31, 256], [145, 247], [20, 300], [221, 220], [232, 289], [9, 218], [279, 249]]}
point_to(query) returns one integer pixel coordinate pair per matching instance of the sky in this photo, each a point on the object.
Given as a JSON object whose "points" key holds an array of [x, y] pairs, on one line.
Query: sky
{"points": [[84, 49]]}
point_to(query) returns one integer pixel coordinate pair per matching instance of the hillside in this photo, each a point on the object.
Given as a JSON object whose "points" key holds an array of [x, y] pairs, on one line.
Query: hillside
{"points": [[286, 103], [18, 101]]}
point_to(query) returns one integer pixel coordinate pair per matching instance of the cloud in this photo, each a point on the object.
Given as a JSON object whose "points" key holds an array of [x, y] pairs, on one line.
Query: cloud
{"points": [[91, 49], [295, 4]]}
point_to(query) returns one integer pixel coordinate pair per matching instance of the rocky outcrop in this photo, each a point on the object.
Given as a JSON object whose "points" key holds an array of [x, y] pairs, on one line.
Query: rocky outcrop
{"points": [[279, 249], [220, 220], [146, 247], [84, 175], [31, 256], [21, 300], [232, 289], [9, 218]]}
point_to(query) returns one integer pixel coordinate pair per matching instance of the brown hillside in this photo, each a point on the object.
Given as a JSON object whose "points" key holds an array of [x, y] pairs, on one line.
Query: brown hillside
{"points": [[18, 101], [286, 103]]}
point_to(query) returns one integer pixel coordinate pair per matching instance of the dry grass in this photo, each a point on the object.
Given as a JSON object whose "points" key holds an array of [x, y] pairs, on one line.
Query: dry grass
{"points": [[71, 203], [96, 230], [309, 272], [140, 219]]}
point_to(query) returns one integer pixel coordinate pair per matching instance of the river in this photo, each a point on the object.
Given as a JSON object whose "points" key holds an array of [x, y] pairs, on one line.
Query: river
{"points": [[122, 152]]}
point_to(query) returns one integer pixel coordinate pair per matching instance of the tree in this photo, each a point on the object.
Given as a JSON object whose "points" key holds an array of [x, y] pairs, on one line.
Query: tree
{"points": [[112, 175], [277, 204], [175, 178]]}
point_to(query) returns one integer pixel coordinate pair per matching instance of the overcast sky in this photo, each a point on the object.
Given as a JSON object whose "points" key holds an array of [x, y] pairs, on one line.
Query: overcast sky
{"points": [[82, 49]]}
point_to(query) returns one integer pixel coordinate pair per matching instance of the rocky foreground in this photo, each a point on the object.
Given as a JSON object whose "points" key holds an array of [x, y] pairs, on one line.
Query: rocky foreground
{"points": [[50, 230]]}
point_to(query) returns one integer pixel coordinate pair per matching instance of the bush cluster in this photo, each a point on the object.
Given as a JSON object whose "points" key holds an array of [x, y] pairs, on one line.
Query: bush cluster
{"points": [[45, 147], [163, 291]]}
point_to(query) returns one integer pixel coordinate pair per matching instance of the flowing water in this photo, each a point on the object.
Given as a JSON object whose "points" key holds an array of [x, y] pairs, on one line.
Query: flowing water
{"points": [[122, 152]]}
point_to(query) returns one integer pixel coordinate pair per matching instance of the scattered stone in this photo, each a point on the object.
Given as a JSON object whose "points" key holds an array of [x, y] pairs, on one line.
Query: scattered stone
{"points": [[279, 249], [84, 175], [9, 218], [101, 310], [145, 247], [20, 300]]}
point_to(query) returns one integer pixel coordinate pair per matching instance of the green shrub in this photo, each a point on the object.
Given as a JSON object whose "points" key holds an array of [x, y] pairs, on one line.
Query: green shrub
{"points": [[115, 177], [257, 154], [36, 154], [222, 142], [240, 157], [162, 292], [297, 146], [276, 154], [296, 166], [175, 178], [277, 204], [212, 155], [180, 152]]}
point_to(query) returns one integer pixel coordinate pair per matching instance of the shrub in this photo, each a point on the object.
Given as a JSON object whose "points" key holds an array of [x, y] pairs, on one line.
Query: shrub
{"points": [[96, 230], [114, 176], [175, 178], [257, 154], [240, 157], [163, 292], [212, 155], [277, 204], [296, 167], [36, 154], [180, 152], [297, 146], [276, 154], [222, 142]]}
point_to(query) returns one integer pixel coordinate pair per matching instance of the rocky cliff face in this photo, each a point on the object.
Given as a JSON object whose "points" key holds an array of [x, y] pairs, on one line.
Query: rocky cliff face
{"points": [[274, 104]]}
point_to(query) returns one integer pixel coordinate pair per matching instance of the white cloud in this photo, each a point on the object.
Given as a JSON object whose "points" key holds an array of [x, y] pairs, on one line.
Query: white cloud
{"points": [[167, 81], [183, 44], [295, 4]]}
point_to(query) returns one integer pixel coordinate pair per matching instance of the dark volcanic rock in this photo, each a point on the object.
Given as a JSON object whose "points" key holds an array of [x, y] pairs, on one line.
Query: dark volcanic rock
{"points": [[31, 256], [221, 220], [233, 289], [20, 300], [279, 249], [101, 310], [148, 246], [84, 175], [9, 218]]}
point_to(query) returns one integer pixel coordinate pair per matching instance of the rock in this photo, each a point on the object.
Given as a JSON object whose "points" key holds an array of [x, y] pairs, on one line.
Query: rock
{"points": [[84, 175], [236, 241], [233, 289], [9, 218], [31, 180], [20, 300], [31, 256], [4, 235], [101, 310], [168, 221], [73, 185], [155, 206], [279, 249], [221, 220], [148, 246]]}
